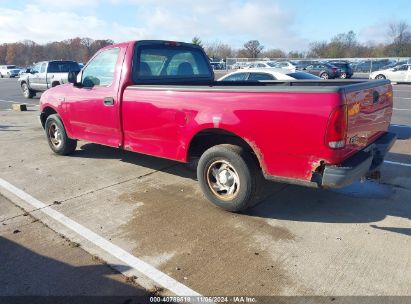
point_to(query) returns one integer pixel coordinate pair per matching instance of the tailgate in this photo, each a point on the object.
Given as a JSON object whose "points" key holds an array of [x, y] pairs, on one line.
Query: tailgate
{"points": [[369, 113]]}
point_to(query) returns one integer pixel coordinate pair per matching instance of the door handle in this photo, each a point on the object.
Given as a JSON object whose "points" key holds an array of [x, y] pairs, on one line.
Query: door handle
{"points": [[108, 101]]}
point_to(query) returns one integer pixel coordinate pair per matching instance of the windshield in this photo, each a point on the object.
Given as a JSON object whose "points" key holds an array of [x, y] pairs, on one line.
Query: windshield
{"points": [[9, 67]]}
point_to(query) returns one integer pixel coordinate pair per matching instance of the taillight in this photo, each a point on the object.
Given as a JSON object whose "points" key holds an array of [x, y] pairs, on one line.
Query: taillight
{"points": [[334, 70], [336, 133]]}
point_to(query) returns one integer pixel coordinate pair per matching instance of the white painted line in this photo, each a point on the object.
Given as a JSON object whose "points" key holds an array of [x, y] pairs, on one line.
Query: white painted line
{"points": [[401, 109], [397, 163], [404, 97], [154, 274]]}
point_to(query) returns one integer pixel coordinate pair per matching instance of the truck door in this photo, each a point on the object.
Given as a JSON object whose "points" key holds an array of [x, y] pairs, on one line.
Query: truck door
{"points": [[33, 77], [94, 106], [42, 77]]}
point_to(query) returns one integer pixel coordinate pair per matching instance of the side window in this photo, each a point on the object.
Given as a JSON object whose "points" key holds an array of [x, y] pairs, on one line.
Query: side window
{"points": [[100, 71], [403, 68], [236, 77], [260, 65], [260, 76], [43, 68]]}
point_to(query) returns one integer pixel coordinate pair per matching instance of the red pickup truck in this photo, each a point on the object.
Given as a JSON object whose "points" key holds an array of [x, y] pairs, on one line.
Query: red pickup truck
{"points": [[160, 98]]}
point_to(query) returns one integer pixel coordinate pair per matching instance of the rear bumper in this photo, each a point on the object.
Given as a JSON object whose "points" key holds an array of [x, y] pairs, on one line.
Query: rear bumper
{"points": [[359, 165]]}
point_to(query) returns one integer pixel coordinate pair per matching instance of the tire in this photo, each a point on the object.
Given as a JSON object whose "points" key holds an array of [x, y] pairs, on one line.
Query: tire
{"points": [[343, 76], [324, 76], [27, 92], [57, 137], [54, 84], [380, 76], [234, 169]]}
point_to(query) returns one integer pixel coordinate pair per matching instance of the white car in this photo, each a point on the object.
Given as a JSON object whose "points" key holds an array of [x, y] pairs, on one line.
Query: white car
{"points": [[261, 65], [401, 73], [288, 65], [267, 74]]}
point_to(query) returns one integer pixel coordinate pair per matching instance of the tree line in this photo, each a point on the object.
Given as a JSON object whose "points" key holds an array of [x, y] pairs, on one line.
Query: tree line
{"points": [[344, 45], [27, 52]]}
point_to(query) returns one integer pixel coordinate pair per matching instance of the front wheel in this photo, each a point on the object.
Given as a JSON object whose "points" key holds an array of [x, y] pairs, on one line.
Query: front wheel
{"points": [[27, 93], [343, 76], [228, 176], [57, 137], [380, 77]]}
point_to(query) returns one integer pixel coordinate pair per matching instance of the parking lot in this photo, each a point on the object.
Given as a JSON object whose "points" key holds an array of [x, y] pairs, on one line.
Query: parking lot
{"points": [[146, 217]]}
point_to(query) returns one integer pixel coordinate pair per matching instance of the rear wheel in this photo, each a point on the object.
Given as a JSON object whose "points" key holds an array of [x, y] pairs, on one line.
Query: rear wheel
{"points": [[380, 76], [228, 176], [324, 76], [27, 93], [343, 76], [57, 137]]}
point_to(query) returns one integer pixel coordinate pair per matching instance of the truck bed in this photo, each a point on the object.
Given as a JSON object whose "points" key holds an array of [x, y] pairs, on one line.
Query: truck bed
{"points": [[271, 86]]}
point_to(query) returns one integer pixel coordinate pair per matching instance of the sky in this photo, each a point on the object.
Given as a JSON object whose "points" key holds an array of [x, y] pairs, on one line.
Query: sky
{"points": [[284, 24]]}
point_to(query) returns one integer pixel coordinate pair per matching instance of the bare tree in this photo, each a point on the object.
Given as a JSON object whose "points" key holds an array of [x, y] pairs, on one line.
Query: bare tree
{"points": [[400, 37], [219, 50], [253, 48]]}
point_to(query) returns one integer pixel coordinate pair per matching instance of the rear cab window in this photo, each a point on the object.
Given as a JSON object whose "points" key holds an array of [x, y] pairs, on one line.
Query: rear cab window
{"points": [[63, 67], [164, 62]]}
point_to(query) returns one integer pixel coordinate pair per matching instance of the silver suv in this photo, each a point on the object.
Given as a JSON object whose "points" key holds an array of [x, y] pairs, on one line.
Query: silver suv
{"points": [[46, 74]]}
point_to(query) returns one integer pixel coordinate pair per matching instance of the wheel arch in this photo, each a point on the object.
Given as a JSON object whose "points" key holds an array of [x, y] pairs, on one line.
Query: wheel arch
{"points": [[210, 137], [46, 112]]}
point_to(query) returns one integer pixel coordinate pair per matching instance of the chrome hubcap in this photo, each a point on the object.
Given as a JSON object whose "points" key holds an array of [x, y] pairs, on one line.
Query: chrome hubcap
{"points": [[55, 135], [223, 180]]}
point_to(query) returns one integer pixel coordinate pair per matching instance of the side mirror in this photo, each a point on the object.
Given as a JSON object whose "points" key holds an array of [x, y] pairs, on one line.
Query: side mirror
{"points": [[74, 79]]}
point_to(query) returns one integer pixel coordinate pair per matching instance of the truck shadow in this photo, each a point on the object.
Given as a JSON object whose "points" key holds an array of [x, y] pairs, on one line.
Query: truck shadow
{"points": [[95, 151], [24, 272], [366, 202]]}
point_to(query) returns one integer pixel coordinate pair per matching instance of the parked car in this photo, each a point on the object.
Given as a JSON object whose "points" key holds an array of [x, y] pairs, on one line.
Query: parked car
{"points": [[160, 98], [261, 64], [395, 64], [9, 71], [370, 65], [238, 65], [345, 68], [288, 65], [400, 73], [217, 65], [46, 74], [266, 74], [324, 70]]}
